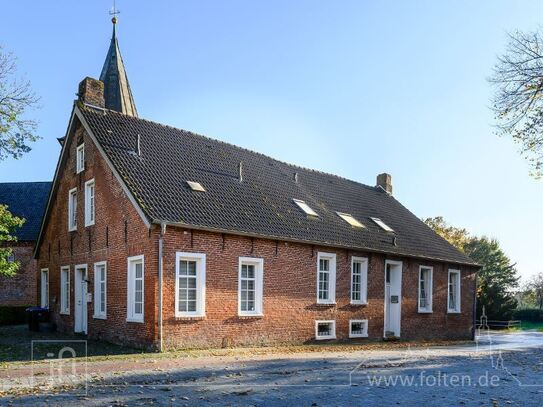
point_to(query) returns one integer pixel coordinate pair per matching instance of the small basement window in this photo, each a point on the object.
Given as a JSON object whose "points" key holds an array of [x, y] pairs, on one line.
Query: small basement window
{"points": [[196, 186], [358, 328], [350, 219], [325, 330], [305, 207], [382, 224]]}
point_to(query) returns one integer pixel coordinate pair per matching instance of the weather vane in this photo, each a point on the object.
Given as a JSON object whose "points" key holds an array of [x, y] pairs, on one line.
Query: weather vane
{"points": [[114, 13]]}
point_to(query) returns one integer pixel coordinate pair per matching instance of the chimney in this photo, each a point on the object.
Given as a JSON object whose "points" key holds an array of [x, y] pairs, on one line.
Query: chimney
{"points": [[91, 91], [384, 181]]}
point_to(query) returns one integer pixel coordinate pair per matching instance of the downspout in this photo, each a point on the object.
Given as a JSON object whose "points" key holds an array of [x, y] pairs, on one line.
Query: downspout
{"points": [[160, 284], [474, 328]]}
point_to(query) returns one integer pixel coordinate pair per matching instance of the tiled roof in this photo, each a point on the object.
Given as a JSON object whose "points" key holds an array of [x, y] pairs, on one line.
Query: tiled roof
{"points": [[262, 204], [26, 200]]}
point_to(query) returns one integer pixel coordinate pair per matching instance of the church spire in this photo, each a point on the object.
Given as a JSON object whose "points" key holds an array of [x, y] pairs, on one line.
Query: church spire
{"points": [[117, 93]]}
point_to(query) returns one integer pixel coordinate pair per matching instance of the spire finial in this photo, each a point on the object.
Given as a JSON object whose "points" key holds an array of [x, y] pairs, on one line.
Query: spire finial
{"points": [[113, 12]]}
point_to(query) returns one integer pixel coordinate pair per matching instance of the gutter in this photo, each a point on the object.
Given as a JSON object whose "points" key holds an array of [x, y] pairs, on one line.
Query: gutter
{"points": [[160, 285], [314, 243]]}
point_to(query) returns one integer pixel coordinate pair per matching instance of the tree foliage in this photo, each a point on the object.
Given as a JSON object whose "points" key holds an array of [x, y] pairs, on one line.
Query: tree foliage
{"points": [[16, 133], [456, 236], [533, 290], [517, 101], [497, 278], [8, 225], [16, 98]]}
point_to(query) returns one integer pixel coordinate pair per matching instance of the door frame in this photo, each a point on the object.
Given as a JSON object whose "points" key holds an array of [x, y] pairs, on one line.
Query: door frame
{"points": [[400, 265], [80, 281]]}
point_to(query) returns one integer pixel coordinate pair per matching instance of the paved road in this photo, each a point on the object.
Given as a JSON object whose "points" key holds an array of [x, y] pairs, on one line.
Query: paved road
{"points": [[502, 370]]}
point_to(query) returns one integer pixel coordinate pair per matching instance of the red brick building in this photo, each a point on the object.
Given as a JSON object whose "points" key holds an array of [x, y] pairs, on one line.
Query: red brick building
{"points": [[158, 237], [26, 200]]}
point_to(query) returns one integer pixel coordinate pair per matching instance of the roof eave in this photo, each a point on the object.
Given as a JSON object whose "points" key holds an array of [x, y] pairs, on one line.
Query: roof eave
{"points": [[311, 242]]}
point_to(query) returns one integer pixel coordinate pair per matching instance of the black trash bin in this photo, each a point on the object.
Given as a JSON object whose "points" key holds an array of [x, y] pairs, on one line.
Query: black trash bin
{"points": [[35, 315]]}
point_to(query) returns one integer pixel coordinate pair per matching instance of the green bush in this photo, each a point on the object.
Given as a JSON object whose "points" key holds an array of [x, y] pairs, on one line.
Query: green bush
{"points": [[13, 315], [529, 314]]}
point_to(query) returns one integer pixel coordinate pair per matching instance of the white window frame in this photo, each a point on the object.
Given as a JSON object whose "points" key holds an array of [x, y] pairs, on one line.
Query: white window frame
{"points": [[454, 308], [259, 286], [362, 335], [80, 158], [363, 280], [90, 202], [99, 314], [323, 337], [72, 210], [429, 289], [200, 259], [65, 290], [331, 257], [131, 315], [44, 288]]}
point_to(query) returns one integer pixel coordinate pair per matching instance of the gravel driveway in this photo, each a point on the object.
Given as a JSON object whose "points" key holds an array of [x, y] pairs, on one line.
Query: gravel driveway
{"points": [[501, 370]]}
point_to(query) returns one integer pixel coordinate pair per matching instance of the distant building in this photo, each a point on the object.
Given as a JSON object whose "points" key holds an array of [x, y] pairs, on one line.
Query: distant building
{"points": [[159, 237], [26, 200]]}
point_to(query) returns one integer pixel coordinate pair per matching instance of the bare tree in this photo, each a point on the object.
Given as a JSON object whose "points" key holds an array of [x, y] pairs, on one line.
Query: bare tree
{"points": [[518, 102], [16, 132], [535, 285], [16, 98]]}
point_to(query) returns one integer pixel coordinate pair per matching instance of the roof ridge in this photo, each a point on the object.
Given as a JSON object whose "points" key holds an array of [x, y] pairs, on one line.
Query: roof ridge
{"points": [[105, 110]]}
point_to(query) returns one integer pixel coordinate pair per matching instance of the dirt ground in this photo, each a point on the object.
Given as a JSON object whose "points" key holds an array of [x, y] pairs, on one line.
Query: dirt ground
{"points": [[500, 369]]}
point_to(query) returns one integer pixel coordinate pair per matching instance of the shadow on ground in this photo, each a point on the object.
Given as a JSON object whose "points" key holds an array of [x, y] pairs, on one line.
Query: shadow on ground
{"points": [[16, 340], [315, 381]]}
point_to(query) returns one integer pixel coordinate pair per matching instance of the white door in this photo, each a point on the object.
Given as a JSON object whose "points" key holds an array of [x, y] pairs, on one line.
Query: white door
{"points": [[80, 294], [393, 298]]}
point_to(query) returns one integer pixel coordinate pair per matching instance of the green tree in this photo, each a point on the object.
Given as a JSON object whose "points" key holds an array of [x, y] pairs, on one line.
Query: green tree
{"points": [[517, 101], [8, 225], [17, 131], [497, 278], [458, 237]]}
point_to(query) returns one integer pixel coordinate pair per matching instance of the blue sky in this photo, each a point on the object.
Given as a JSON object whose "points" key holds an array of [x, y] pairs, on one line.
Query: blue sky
{"points": [[349, 87]]}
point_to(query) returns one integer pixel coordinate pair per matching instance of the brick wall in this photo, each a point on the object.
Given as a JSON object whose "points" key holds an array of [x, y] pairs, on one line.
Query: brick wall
{"points": [[104, 241], [290, 299], [289, 305], [20, 289]]}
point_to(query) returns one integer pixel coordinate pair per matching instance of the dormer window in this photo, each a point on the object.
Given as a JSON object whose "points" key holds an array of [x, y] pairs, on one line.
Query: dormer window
{"points": [[305, 207], [382, 225], [350, 219], [80, 158], [196, 186]]}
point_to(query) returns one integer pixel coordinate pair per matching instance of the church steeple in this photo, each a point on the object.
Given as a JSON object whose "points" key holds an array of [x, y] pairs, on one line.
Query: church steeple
{"points": [[117, 93]]}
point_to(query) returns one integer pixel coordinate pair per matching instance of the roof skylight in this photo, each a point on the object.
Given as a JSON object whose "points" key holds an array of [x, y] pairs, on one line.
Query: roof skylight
{"points": [[196, 186], [350, 219], [382, 224], [305, 207]]}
